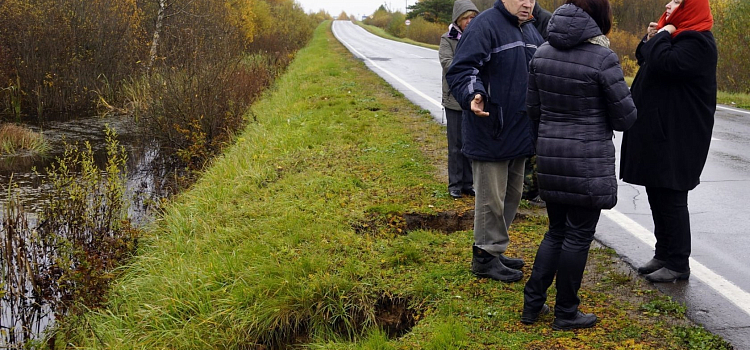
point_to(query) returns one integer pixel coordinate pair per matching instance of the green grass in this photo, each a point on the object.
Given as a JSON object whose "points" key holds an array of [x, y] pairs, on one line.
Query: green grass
{"points": [[296, 236], [731, 99]]}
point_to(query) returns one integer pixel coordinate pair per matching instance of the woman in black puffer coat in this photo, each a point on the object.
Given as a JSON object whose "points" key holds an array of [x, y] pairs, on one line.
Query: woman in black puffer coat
{"points": [[576, 97]]}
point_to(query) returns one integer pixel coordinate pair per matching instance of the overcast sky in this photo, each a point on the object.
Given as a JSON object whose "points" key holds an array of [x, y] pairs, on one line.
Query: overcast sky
{"points": [[353, 7]]}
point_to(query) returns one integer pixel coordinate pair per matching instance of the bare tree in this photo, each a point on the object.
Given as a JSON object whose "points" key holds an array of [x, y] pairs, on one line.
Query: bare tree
{"points": [[157, 31]]}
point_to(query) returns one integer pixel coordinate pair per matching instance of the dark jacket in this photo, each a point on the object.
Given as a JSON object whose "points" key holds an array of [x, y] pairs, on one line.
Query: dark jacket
{"points": [[448, 43], [492, 60], [675, 92], [577, 95], [541, 20]]}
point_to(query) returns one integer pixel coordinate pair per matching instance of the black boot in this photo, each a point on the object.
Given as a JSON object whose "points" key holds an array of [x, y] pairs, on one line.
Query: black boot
{"points": [[580, 320], [486, 265], [666, 275], [529, 317], [513, 263], [651, 266]]}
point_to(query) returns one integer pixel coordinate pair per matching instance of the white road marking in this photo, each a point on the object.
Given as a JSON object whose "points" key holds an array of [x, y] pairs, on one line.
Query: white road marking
{"points": [[407, 85], [721, 285], [733, 109]]}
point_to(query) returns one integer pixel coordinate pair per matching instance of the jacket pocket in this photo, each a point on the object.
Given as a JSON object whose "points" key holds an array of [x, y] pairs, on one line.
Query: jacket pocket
{"points": [[496, 120], [655, 124]]}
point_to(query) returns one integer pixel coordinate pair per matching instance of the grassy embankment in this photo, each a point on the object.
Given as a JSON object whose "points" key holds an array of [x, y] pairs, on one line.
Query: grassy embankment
{"points": [[298, 235]]}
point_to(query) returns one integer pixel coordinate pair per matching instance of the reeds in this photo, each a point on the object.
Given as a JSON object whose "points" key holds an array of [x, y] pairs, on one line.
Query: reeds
{"points": [[15, 138]]}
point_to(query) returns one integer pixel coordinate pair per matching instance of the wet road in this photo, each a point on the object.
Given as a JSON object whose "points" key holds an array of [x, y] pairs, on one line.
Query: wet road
{"points": [[718, 292], [414, 71]]}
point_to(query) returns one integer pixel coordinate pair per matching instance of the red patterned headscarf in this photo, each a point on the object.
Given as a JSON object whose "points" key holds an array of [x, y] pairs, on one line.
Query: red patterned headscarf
{"points": [[690, 15]]}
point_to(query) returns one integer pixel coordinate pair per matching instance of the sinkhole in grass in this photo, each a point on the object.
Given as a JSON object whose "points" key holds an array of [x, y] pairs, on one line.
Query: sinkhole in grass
{"points": [[402, 223], [394, 316]]}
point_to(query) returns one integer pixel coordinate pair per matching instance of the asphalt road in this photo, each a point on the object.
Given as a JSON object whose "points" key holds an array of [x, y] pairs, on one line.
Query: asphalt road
{"points": [[413, 70], [717, 294]]}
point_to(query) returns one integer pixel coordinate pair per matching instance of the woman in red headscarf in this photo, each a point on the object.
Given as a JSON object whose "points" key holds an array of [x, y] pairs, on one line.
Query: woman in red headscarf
{"points": [[665, 151]]}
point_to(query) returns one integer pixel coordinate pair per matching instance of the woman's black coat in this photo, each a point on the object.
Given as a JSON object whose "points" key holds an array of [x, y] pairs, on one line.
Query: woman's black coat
{"points": [[675, 93]]}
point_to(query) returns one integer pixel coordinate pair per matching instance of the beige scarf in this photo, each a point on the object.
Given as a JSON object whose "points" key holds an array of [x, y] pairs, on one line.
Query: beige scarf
{"points": [[600, 40]]}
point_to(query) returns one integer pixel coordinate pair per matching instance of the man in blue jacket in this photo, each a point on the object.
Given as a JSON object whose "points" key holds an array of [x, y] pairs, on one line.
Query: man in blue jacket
{"points": [[488, 77]]}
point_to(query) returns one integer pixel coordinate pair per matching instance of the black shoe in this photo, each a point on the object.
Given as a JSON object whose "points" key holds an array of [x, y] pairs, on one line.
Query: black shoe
{"points": [[486, 265], [513, 263], [469, 192], [651, 266], [456, 194], [538, 202], [664, 274], [581, 320], [529, 317]]}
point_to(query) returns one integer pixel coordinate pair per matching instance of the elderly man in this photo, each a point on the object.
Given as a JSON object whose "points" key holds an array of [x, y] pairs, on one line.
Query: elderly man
{"points": [[488, 77]]}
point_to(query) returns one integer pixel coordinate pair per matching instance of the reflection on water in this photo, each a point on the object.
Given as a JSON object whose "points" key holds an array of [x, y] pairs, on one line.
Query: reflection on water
{"points": [[147, 173], [23, 178]]}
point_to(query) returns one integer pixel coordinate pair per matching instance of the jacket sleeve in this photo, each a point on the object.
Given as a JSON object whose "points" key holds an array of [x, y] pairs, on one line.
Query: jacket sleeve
{"points": [[533, 106], [445, 54], [463, 76], [621, 111], [682, 58]]}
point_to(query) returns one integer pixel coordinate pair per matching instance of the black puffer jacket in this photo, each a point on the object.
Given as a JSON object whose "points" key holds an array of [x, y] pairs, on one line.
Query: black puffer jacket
{"points": [[577, 96]]}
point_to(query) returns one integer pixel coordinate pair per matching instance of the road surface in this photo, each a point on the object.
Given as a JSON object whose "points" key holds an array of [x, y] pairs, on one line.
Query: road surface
{"points": [[413, 70], [717, 294]]}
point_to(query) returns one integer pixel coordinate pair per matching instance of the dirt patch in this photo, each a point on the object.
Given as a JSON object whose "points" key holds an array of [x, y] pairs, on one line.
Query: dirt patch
{"points": [[394, 316], [448, 221]]}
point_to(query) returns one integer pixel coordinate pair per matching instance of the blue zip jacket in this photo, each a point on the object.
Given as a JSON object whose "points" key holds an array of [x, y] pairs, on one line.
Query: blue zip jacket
{"points": [[492, 59]]}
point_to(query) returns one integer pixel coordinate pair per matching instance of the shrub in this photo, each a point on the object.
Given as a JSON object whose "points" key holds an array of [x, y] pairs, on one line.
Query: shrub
{"points": [[68, 255], [58, 52], [624, 44], [397, 25], [380, 18], [732, 38], [192, 115], [426, 32], [201, 87]]}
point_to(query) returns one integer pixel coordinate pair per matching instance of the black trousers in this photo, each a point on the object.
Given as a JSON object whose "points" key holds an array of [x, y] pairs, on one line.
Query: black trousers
{"points": [[459, 167], [563, 252], [669, 209]]}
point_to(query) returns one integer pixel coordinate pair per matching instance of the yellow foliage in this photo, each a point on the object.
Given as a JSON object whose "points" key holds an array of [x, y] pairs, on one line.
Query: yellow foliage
{"points": [[426, 32], [250, 16]]}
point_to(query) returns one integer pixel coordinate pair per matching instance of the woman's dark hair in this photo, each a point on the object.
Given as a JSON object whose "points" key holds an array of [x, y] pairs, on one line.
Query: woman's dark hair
{"points": [[599, 10]]}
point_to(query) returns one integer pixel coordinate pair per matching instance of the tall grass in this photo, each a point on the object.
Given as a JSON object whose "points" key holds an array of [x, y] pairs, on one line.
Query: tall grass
{"points": [[15, 138]]}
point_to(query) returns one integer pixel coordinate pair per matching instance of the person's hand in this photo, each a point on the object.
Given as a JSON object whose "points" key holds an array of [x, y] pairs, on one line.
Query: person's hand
{"points": [[477, 106], [670, 28], [651, 31]]}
